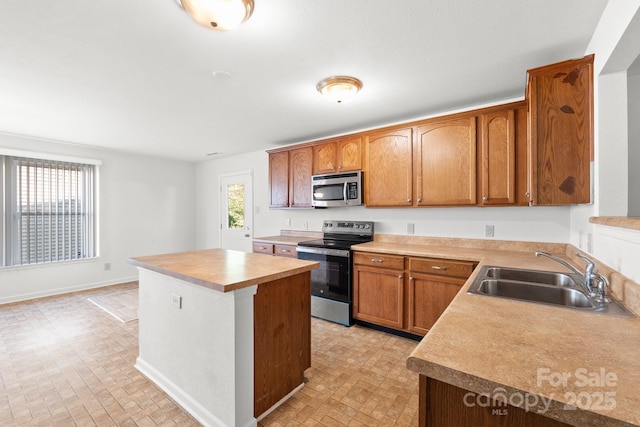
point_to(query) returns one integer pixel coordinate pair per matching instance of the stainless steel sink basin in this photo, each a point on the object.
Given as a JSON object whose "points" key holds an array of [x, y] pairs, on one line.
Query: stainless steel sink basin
{"points": [[542, 287], [547, 294], [533, 276]]}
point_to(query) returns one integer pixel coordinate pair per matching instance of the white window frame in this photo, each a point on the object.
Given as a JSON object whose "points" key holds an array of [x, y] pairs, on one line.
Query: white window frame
{"points": [[9, 225]]}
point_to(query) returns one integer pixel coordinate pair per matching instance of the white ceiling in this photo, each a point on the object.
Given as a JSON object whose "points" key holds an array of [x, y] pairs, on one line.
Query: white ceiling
{"points": [[138, 75]]}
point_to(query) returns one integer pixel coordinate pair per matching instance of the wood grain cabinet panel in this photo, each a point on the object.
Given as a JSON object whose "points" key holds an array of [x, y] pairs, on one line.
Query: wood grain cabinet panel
{"points": [[560, 100], [300, 165], [446, 163], [349, 154], [288, 251], [325, 158], [263, 248], [498, 158], [279, 179], [445, 405], [429, 297], [378, 296], [388, 171]]}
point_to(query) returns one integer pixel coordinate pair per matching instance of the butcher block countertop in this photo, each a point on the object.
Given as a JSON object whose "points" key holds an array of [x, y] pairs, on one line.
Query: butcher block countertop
{"points": [[552, 359], [223, 270]]}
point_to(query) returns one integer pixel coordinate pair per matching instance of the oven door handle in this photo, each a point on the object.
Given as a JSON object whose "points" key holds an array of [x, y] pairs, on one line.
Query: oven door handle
{"points": [[324, 251]]}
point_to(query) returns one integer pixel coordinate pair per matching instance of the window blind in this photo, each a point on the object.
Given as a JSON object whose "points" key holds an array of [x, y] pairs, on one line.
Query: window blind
{"points": [[52, 208]]}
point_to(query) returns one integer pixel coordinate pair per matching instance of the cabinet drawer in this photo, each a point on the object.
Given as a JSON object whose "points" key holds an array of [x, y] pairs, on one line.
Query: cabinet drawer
{"points": [[263, 248], [288, 251], [379, 260], [443, 267]]}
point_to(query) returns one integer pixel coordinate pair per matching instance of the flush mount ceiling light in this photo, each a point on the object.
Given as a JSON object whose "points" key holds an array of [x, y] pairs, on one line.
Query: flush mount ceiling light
{"points": [[339, 88], [220, 15]]}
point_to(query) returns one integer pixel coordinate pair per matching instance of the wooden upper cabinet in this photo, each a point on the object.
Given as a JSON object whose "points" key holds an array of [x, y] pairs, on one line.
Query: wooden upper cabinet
{"points": [[497, 158], [446, 163], [560, 100], [341, 155], [279, 179], [388, 172], [349, 154], [325, 158], [300, 166]]}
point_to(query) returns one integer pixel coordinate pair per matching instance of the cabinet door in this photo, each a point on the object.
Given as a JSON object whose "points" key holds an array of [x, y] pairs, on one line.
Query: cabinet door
{"points": [[300, 163], [279, 179], [561, 131], [429, 296], [378, 296], [324, 158], [498, 158], [388, 171], [350, 154], [446, 163]]}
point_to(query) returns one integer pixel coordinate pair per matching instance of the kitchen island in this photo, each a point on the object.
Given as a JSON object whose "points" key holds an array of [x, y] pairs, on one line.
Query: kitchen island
{"points": [[225, 333]]}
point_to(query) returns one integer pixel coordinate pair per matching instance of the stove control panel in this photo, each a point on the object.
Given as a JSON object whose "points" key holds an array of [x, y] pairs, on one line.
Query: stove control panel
{"points": [[348, 227]]}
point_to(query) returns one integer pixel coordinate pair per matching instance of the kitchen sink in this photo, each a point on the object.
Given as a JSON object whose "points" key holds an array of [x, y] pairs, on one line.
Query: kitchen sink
{"points": [[542, 287], [533, 276], [542, 293]]}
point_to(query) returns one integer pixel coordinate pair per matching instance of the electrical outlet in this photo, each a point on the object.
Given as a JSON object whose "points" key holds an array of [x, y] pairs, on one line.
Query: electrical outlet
{"points": [[107, 266], [489, 230], [410, 228], [287, 222], [176, 301], [305, 225]]}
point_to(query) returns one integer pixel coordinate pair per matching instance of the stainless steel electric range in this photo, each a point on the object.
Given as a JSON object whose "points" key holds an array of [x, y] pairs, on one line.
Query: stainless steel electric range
{"points": [[331, 284]]}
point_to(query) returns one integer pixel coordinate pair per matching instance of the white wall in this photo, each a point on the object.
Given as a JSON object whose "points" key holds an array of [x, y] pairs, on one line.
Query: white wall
{"points": [[542, 224], [615, 45], [633, 98], [146, 207]]}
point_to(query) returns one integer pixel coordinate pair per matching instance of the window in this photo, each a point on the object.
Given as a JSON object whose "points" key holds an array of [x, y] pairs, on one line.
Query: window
{"points": [[49, 210]]}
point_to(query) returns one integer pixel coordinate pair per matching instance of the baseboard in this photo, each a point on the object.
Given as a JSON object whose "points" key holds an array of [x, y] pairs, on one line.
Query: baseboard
{"points": [[199, 412], [67, 290]]}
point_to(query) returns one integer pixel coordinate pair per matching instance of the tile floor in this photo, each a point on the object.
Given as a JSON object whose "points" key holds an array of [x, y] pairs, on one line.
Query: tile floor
{"points": [[65, 362]]}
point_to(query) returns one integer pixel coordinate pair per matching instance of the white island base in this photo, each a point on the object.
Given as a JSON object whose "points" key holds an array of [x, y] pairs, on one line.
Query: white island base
{"points": [[197, 343]]}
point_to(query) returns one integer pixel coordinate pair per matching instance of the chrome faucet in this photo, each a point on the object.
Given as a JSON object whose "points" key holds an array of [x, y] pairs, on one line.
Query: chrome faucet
{"points": [[590, 275]]}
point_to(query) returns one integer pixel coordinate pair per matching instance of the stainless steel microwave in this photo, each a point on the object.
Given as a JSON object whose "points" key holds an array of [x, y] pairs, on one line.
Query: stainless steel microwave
{"points": [[337, 189]]}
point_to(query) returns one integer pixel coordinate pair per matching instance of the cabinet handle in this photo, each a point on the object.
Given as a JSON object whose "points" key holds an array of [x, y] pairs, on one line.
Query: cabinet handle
{"points": [[400, 276], [420, 200], [263, 247], [408, 200], [376, 260], [410, 279], [485, 198], [285, 250], [437, 267]]}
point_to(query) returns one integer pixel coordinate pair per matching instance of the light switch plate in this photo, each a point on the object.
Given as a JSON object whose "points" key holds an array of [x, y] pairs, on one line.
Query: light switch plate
{"points": [[176, 301], [410, 228], [488, 231]]}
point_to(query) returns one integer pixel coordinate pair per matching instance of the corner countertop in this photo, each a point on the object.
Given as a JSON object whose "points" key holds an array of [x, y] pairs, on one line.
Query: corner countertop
{"points": [[223, 270], [518, 349]]}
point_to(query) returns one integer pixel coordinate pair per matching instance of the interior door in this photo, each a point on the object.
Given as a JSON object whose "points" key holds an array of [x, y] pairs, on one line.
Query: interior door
{"points": [[236, 211]]}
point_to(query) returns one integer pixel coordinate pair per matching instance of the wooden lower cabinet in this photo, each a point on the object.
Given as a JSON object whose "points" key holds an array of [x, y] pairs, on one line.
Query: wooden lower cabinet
{"points": [[378, 296], [405, 293], [445, 405], [429, 296]]}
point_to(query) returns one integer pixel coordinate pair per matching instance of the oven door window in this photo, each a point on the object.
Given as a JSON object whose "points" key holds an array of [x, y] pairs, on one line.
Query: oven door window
{"points": [[332, 279]]}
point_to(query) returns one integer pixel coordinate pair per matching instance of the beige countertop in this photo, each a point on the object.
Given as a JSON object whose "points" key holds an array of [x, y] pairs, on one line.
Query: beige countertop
{"points": [[223, 270], [550, 356], [289, 237]]}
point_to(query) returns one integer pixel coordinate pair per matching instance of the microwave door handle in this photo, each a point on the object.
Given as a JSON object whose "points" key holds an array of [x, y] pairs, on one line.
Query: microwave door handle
{"points": [[344, 194]]}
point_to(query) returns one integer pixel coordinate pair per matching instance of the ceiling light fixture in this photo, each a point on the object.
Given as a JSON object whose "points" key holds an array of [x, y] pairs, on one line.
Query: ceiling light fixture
{"points": [[220, 15], [339, 88]]}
